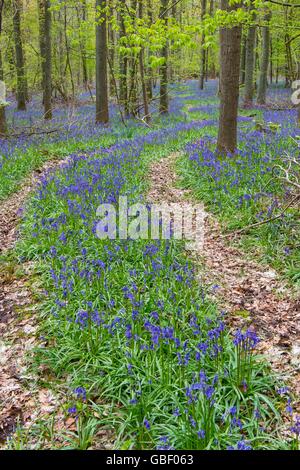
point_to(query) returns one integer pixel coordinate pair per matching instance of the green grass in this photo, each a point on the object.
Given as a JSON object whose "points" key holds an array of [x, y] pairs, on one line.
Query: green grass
{"points": [[137, 385]]}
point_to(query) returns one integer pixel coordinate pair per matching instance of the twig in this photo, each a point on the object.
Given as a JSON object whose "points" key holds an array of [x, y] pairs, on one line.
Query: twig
{"points": [[257, 224]]}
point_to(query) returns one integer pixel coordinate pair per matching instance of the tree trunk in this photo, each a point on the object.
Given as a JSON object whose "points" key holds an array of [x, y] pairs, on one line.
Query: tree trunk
{"points": [[298, 108], [21, 77], [263, 77], [102, 115], [142, 73], [163, 95], [271, 59], [3, 127], [150, 70], [45, 46], [243, 61], [203, 51], [230, 51], [123, 62], [249, 65]]}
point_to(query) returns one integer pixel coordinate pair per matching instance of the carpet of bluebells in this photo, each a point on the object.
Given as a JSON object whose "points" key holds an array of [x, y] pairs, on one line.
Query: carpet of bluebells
{"points": [[127, 329], [242, 188]]}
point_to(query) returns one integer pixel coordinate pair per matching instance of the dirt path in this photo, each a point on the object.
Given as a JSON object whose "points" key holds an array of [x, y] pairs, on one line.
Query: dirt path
{"points": [[20, 399], [251, 293]]}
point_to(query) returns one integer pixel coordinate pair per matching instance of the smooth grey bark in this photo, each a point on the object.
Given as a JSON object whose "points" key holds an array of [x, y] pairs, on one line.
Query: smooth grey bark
{"points": [[163, 95], [230, 51], [142, 74], [203, 51], [243, 60], [264, 62], [3, 126], [102, 115], [45, 48], [123, 62], [249, 65], [20, 63]]}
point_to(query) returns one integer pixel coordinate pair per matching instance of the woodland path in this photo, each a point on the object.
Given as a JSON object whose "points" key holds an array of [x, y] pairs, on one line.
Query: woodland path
{"points": [[21, 400], [250, 293]]}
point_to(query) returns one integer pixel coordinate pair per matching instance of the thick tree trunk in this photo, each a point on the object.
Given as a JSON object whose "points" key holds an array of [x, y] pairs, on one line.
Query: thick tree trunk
{"points": [[263, 77], [45, 46], [102, 115], [3, 127], [230, 51], [163, 96], [21, 77], [249, 65], [203, 51]]}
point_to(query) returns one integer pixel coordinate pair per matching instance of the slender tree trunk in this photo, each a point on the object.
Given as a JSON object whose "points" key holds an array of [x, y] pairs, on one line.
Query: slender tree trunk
{"points": [[298, 107], [3, 127], [142, 73], [249, 65], [243, 60], [203, 51], [271, 59], [102, 115], [123, 93], [45, 45], [163, 97], [150, 70], [68, 59], [133, 69], [111, 52], [82, 16], [21, 77], [230, 51], [263, 77]]}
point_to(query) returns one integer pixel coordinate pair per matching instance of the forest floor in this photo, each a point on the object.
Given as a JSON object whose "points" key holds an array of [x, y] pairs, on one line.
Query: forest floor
{"points": [[250, 293], [35, 393]]}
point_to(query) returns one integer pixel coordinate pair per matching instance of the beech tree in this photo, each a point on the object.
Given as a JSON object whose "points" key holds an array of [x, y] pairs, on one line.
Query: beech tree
{"points": [[230, 51], [164, 99], [46, 56], [249, 62], [20, 66], [102, 114], [203, 51], [264, 62], [2, 105]]}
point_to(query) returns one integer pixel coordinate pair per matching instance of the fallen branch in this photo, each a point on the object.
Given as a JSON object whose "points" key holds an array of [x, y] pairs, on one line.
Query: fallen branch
{"points": [[257, 224]]}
